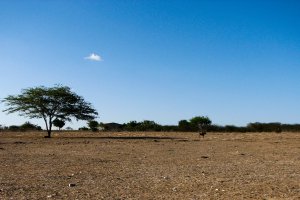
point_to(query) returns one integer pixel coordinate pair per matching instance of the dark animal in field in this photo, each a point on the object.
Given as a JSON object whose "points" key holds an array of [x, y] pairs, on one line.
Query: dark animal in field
{"points": [[202, 133], [202, 130]]}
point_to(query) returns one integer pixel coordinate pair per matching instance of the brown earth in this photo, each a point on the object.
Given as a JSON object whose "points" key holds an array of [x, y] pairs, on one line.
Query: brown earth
{"points": [[149, 166]]}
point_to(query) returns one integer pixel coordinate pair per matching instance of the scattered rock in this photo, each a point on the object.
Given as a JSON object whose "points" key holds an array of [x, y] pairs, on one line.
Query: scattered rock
{"points": [[72, 184], [70, 176], [204, 157], [19, 142], [51, 195]]}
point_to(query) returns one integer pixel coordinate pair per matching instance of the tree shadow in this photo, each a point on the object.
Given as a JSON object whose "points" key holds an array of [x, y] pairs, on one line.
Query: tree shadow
{"points": [[126, 138]]}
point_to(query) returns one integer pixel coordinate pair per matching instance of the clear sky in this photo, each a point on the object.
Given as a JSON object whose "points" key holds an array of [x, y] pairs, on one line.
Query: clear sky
{"points": [[234, 61]]}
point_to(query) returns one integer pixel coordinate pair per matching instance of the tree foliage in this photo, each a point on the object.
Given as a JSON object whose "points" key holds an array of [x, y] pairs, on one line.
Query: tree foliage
{"points": [[29, 126], [93, 125], [57, 102], [201, 123], [265, 127], [83, 128], [131, 126], [146, 125], [184, 125], [59, 123]]}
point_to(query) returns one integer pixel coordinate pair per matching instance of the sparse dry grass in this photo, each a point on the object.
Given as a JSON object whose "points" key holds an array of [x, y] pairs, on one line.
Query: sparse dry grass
{"points": [[150, 166]]}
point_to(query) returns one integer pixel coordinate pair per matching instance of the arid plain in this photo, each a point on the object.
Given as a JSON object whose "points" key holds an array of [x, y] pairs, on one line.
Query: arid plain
{"points": [[150, 165]]}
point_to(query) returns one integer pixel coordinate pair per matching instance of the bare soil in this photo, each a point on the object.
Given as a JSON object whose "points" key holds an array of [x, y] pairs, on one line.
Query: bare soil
{"points": [[85, 165]]}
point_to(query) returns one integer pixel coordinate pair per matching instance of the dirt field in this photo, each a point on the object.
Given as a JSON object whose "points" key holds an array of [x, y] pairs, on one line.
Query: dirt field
{"points": [[150, 166]]}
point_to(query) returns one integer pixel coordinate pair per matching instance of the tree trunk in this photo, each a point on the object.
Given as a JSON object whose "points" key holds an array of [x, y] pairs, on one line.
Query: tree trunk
{"points": [[48, 127], [49, 134]]}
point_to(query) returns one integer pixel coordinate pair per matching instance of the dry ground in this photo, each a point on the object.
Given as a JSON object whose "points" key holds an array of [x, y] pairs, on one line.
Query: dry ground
{"points": [[150, 166]]}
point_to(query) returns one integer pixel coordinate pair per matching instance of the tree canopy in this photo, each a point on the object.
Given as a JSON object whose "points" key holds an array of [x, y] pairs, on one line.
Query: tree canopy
{"points": [[93, 125], [50, 103], [201, 123], [58, 123], [184, 125]]}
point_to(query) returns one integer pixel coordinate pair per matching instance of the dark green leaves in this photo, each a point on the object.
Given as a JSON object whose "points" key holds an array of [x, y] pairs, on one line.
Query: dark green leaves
{"points": [[57, 102]]}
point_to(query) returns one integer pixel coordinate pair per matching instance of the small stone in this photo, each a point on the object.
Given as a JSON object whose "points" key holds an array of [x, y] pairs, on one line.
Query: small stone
{"points": [[72, 184], [51, 195]]}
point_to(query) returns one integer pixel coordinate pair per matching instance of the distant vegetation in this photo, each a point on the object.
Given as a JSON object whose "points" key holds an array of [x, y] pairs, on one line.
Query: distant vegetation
{"points": [[189, 126], [56, 105], [58, 123], [93, 125], [183, 126], [27, 126], [256, 127]]}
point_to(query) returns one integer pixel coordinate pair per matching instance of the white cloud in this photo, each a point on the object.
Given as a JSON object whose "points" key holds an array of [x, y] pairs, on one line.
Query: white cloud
{"points": [[93, 57]]}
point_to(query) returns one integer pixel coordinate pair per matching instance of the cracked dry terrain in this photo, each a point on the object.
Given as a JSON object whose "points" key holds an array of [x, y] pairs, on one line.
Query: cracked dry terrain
{"points": [[149, 166]]}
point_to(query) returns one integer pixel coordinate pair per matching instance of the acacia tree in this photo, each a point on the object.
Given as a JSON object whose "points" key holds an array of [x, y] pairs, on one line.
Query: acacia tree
{"points": [[201, 123], [57, 102]]}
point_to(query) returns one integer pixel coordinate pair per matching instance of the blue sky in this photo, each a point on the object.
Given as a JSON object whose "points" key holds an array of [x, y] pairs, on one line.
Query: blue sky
{"points": [[234, 61]]}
